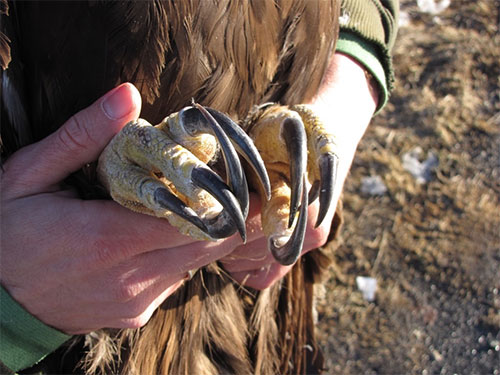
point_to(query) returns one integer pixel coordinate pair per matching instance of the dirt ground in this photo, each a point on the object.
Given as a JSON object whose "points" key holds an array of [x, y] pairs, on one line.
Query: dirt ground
{"points": [[432, 245]]}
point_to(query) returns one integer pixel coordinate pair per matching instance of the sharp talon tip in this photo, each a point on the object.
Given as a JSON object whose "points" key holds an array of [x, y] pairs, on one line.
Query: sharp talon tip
{"points": [[291, 219], [169, 201], [288, 253], [243, 237], [245, 147], [294, 134], [236, 177], [328, 171], [231, 219]]}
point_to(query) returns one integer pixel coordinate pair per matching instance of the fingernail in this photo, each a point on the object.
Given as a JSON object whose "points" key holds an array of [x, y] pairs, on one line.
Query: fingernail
{"points": [[119, 102]]}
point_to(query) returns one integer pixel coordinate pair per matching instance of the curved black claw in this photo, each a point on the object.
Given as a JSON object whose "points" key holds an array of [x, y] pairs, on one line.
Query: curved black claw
{"points": [[328, 164], [231, 218], [245, 146], [235, 175], [313, 192], [288, 253], [197, 120], [294, 134], [167, 200]]}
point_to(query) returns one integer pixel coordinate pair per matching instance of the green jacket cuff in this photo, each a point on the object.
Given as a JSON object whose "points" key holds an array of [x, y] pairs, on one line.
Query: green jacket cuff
{"points": [[24, 340], [357, 48]]}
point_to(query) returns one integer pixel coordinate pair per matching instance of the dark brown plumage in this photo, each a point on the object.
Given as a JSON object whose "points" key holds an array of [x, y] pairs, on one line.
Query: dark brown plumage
{"points": [[229, 55]]}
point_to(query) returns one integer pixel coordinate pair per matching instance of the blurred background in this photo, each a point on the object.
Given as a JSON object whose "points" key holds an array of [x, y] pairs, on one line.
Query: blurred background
{"points": [[422, 212]]}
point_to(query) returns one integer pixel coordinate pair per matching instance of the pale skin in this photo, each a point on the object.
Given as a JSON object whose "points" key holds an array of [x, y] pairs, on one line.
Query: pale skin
{"points": [[83, 265]]}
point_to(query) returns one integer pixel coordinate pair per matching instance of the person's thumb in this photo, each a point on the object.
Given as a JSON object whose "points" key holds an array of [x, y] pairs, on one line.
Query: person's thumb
{"points": [[77, 142]]}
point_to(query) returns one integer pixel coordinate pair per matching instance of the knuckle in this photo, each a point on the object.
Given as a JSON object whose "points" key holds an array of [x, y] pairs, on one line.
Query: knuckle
{"points": [[104, 255], [126, 292], [108, 251], [74, 135], [137, 322]]}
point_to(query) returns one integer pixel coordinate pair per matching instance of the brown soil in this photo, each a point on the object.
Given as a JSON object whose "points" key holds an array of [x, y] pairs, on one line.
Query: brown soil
{"points": [[434, 247]]}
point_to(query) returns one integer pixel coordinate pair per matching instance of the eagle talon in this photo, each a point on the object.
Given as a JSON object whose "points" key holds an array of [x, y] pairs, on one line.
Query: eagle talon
{"points": [[228, 133], [166, 199], [245, 147], [294, 135], [162, 170], [298, 150], [231, 218], [288, 253], [235, 176], [328, 164]]}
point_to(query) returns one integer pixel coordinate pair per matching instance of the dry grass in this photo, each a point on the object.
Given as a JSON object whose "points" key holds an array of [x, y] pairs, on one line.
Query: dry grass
{"points": [[434, 248]]}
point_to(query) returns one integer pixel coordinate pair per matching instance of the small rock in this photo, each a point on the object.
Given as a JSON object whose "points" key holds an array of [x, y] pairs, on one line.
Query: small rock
{"points": [[367, 286], [420, 170], [404, 18], [373, 185], [433, 7], [437, 356]]}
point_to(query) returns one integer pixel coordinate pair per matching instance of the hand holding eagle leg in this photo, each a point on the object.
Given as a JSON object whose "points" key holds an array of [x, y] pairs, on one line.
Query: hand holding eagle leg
{"points": [[81, 265]]}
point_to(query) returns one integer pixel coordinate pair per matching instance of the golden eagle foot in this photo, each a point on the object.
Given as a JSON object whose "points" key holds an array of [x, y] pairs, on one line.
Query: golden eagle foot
{"points": [[298, 151], [162, 170]]}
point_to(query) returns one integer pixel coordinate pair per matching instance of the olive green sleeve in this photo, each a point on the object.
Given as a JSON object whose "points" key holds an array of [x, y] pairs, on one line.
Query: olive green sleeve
{"points": [[24, 340], [367, 33]]}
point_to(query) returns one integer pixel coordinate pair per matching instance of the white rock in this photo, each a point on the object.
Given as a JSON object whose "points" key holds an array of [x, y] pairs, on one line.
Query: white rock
{"points": [[433, 7], [373, 185], [367, 286], [420, 170], [404, 18]]}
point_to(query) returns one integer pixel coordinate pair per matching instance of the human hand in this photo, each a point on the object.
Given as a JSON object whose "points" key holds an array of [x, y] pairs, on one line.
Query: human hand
{"points": [[83, 265], [252, 264], [346, 103]]}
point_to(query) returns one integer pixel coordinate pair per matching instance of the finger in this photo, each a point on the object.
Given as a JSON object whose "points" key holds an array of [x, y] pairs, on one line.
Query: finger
{"points": [[119, 234], [261, 278], [185, 258], [123, 233], [143, 318], [78, 141], [251, 256], [119, 311]]}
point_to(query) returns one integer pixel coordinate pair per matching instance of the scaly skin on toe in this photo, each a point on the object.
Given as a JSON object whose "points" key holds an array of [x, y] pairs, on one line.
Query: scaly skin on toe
{"points": [[284, 135], [142, 158], [162, 171]]}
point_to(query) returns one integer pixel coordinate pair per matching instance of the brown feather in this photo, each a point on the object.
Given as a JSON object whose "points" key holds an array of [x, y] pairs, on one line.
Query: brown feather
{"points": [[4, 40]]}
